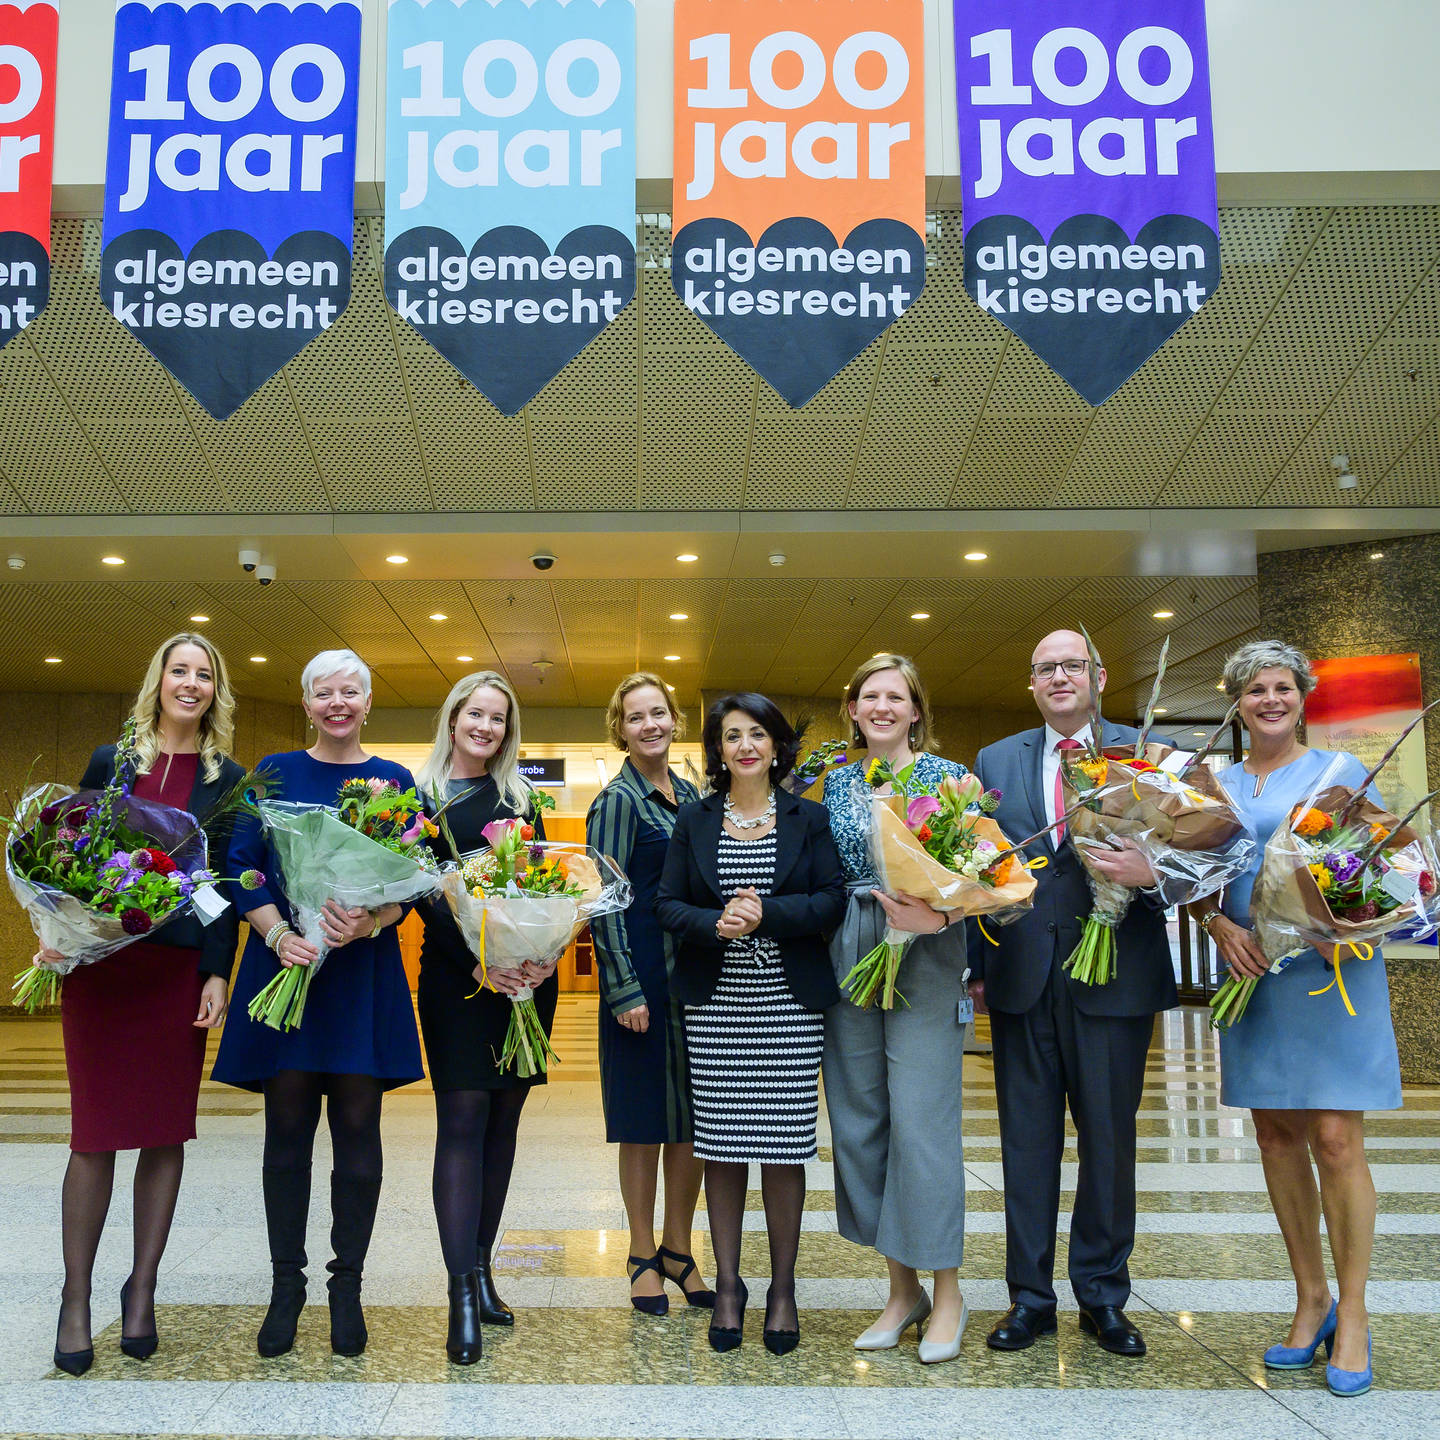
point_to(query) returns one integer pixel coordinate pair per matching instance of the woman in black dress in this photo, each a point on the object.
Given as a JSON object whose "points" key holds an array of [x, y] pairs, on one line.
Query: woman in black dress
{"points": [[473, 768], [644, 1081], [751, 883]]}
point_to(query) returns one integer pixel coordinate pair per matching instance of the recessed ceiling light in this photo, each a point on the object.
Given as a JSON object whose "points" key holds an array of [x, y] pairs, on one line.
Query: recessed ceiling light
{"points": [[1377, 554], [112, 559], [672, 657], [465, 659], [397, 559], [920, 615], [1220, 686], [1164, 615], [976, 555], [1161, 710], [670, 688], [257, 659], [438, 615], [1197, 732], [678, 615], [52, 659], [687, 558], [199, 619]]}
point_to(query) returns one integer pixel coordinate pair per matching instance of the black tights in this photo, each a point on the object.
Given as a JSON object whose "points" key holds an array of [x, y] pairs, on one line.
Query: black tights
{"points": [[475, 1134], [84, 1203], [782, 1187], [292, 1113]]}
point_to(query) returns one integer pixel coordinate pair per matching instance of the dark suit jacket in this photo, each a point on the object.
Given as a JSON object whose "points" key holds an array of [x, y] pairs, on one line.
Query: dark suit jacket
{"points": [[216, 941], [807, 902], [1016, 971]]}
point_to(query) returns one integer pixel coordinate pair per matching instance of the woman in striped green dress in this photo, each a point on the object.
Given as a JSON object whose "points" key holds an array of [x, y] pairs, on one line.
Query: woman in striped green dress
{"points": [[644, 1083]]}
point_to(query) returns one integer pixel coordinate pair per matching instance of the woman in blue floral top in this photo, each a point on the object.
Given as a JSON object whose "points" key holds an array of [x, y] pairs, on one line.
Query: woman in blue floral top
{"points": [[893, 1077]]}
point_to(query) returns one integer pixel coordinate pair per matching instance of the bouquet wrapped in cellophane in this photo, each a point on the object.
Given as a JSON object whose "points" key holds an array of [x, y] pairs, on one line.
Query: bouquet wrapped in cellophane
{"points": [[365, 851], [96, 870], [1339, 875], [1166, 803], [521, 901], [940, 846]]}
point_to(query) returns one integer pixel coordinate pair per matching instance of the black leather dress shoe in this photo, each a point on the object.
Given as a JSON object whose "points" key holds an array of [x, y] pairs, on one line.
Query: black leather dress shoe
{"points": [[1019, 1327], [1107, 1323]]}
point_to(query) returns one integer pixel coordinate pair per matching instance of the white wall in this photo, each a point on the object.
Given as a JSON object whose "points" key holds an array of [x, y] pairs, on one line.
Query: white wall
{"points": [[1319, 99]]}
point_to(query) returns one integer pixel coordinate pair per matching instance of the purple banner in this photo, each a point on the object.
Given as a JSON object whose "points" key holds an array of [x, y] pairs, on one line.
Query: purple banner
{"points": [[1087, 162]]}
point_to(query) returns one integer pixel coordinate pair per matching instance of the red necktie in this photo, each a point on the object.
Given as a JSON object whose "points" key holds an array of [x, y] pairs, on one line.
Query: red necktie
{"points": [[1062, 746]]}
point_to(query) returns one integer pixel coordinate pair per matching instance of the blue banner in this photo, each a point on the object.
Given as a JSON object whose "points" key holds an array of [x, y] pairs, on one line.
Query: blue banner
{"points": [[230, 184], [510, 182]]}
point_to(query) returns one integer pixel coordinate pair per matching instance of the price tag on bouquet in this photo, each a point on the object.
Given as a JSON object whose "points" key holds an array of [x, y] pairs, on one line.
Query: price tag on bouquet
{"points": [[1401, 884], [209, 903]]}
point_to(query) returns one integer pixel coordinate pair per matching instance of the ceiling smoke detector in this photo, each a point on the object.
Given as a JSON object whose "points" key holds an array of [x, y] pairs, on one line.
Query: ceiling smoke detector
{"points": [[777, 557]]}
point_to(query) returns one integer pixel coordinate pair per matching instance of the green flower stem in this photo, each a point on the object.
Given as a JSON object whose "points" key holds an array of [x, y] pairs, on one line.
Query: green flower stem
{"points": [[281, 1003], [527, 1046], [1228, 1003], [1092, 961], [35, 988], [874, 975]]}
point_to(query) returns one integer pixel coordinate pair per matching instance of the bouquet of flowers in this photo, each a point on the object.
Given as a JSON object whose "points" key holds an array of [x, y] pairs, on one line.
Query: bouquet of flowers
{"points": [[941, 846], [98, 869], [823, 757], [368, 849], [1169, 804], [521, 900], [1341, 874]]}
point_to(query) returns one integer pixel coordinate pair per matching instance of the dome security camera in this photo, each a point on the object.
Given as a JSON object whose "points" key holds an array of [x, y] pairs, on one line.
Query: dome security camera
{"points": [[542, 560], [265, 573], [249, 559]]}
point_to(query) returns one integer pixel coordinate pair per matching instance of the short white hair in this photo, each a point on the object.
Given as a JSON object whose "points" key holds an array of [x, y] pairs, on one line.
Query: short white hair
{"points": [[334, 662]]}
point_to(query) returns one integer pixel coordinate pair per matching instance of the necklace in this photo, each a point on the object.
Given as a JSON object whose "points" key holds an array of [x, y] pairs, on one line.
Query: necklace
{"points": [[754, 823]]}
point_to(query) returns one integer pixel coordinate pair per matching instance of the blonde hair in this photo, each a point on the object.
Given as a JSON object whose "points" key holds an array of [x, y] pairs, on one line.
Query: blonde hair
{"points": [[615, 711], [922, 728], [434, 773], [217, 724]]}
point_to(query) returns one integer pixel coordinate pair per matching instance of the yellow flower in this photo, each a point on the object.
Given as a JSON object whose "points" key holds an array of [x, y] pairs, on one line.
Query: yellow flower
{"points": [[873, 771], [1096, 769], [1323, 878]]}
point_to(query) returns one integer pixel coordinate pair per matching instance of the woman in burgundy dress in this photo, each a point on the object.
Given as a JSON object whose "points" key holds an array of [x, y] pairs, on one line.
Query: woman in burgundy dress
{"points": [[134, 1023]]}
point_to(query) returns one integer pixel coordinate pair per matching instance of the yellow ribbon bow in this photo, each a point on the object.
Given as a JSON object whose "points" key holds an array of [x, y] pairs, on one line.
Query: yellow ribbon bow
{"points": [[1360, 951]]}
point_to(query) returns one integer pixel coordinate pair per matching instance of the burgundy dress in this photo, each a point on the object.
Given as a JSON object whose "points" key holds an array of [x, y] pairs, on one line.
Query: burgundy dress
{"points": [[132, 1049]]}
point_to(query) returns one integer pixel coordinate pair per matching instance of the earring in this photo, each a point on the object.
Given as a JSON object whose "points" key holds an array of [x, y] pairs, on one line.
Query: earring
{"points": [[774, 764], [912, 734], [856, 738]]}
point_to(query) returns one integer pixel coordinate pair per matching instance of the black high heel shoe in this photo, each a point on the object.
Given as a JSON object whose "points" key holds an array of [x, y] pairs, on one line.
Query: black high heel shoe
{"points": [[779, 1342], [462, 1339], [647, 1304], [702, 1299], [72, 1362], [137, 1347], [726, 1337]]}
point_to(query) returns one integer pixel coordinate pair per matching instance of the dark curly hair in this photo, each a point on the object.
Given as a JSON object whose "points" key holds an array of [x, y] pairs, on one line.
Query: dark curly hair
{"points": [[769, 715]]}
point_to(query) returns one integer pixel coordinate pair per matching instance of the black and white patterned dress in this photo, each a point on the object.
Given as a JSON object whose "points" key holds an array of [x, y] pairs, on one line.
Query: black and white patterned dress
{"points": [[754, 1051]]}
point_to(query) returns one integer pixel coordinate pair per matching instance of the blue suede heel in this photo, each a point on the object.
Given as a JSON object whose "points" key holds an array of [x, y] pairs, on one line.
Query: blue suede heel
{"points": [[1351, 1382], [1301, 1357]]}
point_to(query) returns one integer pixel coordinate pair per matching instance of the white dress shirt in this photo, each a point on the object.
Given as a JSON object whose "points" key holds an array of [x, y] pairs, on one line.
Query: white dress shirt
{"points": [[1050, 768]]}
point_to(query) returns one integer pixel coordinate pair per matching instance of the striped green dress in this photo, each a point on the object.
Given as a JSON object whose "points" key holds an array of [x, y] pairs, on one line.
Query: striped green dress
{"points": [[644, 1081]]}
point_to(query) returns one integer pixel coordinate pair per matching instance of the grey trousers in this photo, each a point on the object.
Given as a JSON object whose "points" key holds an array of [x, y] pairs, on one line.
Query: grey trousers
{"points": [[893, 1094]]}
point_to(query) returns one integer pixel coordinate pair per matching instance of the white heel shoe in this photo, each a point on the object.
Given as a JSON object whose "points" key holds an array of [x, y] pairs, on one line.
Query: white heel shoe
{"points": [[877, 1339], [932, 1352]]}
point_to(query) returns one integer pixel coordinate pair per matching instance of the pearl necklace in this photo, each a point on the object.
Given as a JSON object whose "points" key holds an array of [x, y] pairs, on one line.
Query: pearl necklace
{"points": [[739, 821]]}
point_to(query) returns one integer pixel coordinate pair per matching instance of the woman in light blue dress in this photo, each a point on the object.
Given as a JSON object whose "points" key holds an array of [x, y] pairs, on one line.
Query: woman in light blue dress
{"points": [[1306, 1068]]}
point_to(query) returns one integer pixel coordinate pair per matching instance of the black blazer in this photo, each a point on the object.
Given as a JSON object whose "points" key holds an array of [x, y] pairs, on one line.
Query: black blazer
{"points": [[808, 899], [216, 941], [1016, 967]]}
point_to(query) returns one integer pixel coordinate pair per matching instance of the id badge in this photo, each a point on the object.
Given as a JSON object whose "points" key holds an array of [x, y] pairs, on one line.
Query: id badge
{"points": [[966, 1010]]}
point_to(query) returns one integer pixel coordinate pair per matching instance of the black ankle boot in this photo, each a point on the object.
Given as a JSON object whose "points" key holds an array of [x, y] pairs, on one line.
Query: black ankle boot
{"points": [[462, 1340], [287, 1208], [493, 1310], [352, 1219]]}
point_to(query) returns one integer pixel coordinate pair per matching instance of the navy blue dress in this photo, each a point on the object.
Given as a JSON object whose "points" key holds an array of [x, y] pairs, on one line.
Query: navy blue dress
{"points": [[359, 1019]]}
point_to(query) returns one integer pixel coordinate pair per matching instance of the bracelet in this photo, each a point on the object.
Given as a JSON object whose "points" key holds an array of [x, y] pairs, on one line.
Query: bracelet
{"points": [[276, 933], [1204, 921], [375, 916]]}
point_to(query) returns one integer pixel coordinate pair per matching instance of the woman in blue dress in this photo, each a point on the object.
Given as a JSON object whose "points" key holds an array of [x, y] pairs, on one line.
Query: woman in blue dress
{"points": [[644, 1078], [1306, 1068], [358, 1038], [893, 1077]]}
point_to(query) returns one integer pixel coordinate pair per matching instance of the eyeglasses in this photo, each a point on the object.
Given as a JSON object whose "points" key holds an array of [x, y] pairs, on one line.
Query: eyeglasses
{"points": [[1046, 669]]}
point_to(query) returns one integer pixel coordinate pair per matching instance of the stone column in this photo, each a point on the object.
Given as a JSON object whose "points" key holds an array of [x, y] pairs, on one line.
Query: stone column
{"points": [[1337, 601]]}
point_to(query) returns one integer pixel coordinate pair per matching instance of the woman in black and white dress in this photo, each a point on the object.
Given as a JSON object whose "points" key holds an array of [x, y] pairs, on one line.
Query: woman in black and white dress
{"points": [[752, 883]]}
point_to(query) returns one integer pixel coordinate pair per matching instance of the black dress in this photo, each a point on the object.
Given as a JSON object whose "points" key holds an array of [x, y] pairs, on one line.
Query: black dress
{"points": [[465, 1032]]}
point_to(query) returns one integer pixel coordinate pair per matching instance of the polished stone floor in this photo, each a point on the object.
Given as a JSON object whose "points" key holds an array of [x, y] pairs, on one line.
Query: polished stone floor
{"points": [[1210, 1278]]}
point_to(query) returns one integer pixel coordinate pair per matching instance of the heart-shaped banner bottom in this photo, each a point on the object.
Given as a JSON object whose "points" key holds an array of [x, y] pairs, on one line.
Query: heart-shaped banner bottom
{"points": [[796, 306]]}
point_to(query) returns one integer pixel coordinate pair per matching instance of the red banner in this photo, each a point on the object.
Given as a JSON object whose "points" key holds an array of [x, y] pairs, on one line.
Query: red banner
{"points": [[29, 32]]}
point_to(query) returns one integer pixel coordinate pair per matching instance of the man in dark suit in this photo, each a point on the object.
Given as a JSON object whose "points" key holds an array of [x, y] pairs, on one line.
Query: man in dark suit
{"points": [[1056, 1040]]}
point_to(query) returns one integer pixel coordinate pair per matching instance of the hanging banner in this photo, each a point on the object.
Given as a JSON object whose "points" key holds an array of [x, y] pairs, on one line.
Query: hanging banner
{"points": [[799, 203], [1087, 164], [28, 35], [510, 181], [230, 184]]}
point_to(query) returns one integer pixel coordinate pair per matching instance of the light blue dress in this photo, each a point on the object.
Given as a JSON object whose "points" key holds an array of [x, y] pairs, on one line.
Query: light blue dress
{"points": [[1291, 1050]]}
